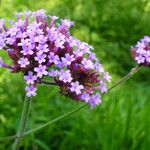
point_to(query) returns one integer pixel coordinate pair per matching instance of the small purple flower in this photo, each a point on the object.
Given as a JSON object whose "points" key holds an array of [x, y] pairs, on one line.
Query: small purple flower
{"points": [[52, 33], [60, 64], [31, 91], [146, 39], [85, 97], [12, 32], [23, 62], [53, 73], [68, 59], [103, 87], [42, 48], [67, 23], [24, 42], [87, 63], [99, 67], [107, 77], [40, 38], [148, 59], [140, 45], [140, 59], [40, 58], [1, 23], [95, 100], [65, 76], [27, 13], [39, 13], [41, 70], [2, 41], [19, 14], [72, 41], [30, 78], [78, 53], [92, 56], [84, 47], [53, 18], [27, 50], [53, 58], [76, 87], [10, 40], [60, 40]]}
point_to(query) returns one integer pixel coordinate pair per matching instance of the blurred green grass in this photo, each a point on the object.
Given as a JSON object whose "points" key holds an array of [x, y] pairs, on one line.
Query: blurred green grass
{"points": [[122, 121]]}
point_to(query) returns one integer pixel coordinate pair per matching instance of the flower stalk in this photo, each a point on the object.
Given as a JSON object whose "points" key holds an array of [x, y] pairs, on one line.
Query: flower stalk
{"points": [[23, 123], [125, 78]]}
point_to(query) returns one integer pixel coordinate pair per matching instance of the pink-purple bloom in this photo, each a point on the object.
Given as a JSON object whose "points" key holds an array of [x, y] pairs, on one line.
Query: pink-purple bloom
{"points": [[85, 97], [65, 76], [39, 49], [53, 73], [41, 70], [41, 58], [141, 51], [88, 63], [53, 58], [76, 87], [30, 78], [67, 59], [31, 91], [23, 62], [95, 100]]}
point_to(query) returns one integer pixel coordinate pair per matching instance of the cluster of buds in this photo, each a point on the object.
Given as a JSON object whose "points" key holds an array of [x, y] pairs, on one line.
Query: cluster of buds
{"points": [[38, 49], [141, 51]]}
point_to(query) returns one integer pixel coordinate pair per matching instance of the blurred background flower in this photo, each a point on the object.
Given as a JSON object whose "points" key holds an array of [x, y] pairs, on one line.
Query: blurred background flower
{"points": [[141, 51]]}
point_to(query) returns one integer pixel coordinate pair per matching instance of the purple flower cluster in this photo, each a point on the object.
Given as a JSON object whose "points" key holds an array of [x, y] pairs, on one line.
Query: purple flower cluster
{"points": [[141, 51], [38, 49]]}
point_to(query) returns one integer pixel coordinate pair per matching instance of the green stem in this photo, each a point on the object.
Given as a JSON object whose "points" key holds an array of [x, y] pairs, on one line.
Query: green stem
{"points": [[48, 83], [24, 118], [125, 78], [55, 120]]}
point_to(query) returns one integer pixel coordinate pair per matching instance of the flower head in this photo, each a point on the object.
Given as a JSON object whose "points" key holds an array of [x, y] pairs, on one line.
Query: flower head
{"points": [[141, 51], [38, 49]]}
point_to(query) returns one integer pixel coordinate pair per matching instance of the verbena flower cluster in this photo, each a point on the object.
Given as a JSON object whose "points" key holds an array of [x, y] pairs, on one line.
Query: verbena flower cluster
{"points": [[141, 51], [38, 49]]}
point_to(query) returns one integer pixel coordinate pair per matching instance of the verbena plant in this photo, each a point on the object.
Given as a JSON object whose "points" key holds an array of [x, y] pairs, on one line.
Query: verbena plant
{"points": [[40, 50]]}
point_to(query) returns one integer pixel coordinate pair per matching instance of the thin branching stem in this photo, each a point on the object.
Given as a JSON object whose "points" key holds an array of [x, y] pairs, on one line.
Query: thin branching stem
{"points": [[48, 83], [125, 78]]}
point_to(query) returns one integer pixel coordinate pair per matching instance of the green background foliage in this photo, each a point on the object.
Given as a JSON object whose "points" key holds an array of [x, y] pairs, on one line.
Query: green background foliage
{"points": [[122, 121]]}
